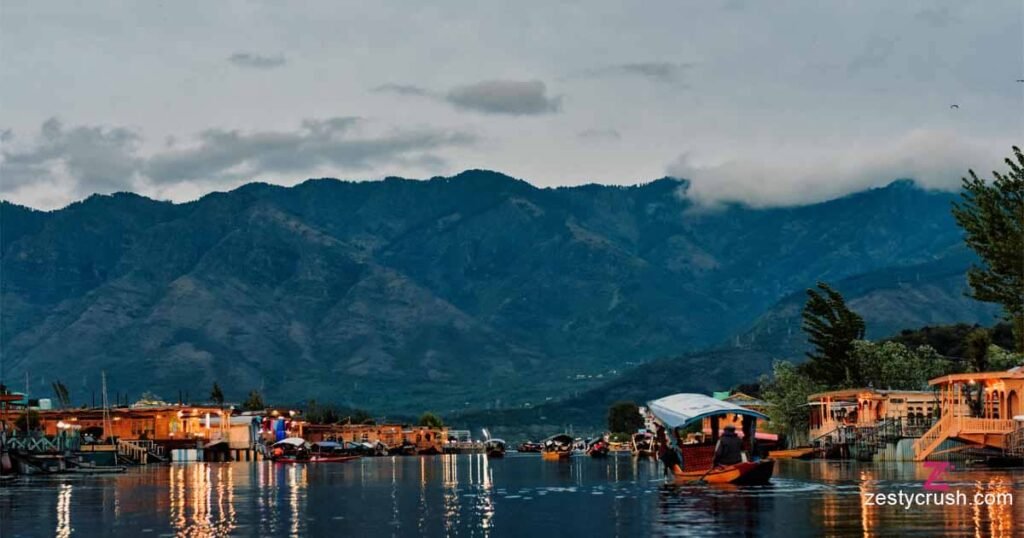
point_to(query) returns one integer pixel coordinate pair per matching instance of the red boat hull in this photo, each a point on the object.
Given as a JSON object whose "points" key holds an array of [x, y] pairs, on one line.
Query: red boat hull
{"points": [[317, 459]]}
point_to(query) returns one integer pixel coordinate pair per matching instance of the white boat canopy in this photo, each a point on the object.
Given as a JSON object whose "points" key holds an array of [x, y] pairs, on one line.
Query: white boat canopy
{"points": [[679, 410], [294, 441]]}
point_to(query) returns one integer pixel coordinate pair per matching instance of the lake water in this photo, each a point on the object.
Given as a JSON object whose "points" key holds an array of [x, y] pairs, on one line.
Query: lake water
{"points": [[521, 495]]}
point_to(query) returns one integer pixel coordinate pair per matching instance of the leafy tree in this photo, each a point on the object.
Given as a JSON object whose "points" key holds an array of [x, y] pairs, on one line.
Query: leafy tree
{"points": [[1001, 359], [831, 328], [321, 413], [254, 402], [787, 390], [976, 346], [216, 395], [624, 417], [892, 365], [431, 420], [61, 392], [992, 217]]}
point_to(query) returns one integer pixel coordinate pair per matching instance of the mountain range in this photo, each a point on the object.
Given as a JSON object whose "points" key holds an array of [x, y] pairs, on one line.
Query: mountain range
{"points": [[477, 291]]}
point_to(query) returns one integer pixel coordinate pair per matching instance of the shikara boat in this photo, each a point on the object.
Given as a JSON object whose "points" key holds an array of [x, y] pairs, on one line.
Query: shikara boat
{"points": [[804, 453], [495, 448], [529, 446], [557, 447], [297, 450], [598, 448], [642, 444], [681, 410]]}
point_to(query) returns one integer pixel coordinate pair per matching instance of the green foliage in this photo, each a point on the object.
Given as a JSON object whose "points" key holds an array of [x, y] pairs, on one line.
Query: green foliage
{"points": [[431, 420], [254, 402], [976, 346], [831, 328], [891, 365], [787, 390], [624, 417], [28, 421], [992, 217], [619, 437], [1001, 359], [60, 391], [216, 395], [321, 413]]}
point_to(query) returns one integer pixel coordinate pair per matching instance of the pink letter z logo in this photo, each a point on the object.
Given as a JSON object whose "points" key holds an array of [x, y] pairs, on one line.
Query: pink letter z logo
{"points": [[938, 468]]}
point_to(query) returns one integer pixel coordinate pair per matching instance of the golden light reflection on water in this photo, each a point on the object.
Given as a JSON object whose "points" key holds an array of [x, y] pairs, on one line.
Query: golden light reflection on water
{"points": [[64, 528], [191, 492]]}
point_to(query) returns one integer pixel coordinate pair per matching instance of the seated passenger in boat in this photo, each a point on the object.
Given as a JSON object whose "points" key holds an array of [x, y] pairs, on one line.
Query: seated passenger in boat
{"points": [[730, 448]]}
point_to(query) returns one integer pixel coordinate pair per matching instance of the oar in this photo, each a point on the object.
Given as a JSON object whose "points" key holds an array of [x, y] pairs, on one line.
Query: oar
{"points": [[701, 479]]}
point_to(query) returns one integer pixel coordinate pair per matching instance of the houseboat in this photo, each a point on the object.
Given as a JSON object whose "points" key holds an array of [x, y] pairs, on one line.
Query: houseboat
{"points": [[869, 424]]}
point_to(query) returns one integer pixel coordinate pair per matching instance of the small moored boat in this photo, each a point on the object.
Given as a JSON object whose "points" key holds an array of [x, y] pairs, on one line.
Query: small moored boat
{"points": [[557, 447], [529, 446], [598, 448], [642, 444], [681, 410], [495, 448]]}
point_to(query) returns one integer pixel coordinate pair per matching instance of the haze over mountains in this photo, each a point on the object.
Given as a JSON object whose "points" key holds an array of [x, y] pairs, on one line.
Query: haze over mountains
{"points": [[475, 291]]}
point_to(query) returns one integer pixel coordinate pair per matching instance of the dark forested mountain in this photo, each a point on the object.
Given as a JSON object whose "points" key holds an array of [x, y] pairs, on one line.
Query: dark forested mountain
{"points": [[477, 290]]}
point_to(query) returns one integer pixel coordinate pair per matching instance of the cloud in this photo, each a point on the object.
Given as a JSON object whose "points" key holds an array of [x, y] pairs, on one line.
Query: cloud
{"points": [[88, 159], [333, 142], [256, 61], [597, 135], [402, 89], [98, 158], [512, 97], [934, 159], [663, 72]]}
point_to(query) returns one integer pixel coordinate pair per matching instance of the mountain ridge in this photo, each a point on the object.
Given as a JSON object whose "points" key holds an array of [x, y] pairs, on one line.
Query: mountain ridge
{"points": [[385, 294]]}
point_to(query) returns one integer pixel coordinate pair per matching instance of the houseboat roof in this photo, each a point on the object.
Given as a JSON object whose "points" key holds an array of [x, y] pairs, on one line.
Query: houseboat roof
{"points": [[681, 409], [855, 393], [1013, 373]]}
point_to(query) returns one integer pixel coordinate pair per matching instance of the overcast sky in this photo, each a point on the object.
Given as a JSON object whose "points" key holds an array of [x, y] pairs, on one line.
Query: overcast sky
{"points": [[763, 102]]}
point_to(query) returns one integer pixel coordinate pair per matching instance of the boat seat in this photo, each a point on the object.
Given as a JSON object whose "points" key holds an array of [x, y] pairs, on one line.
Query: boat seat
{"points": [[697, 457]]}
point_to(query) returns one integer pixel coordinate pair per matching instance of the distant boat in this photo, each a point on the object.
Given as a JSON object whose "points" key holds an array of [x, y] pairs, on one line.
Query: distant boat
{"points": [[642, 444], [598, 448], [681, 410], [495, 448], [529, 446], [297, 450], [557, 447]]}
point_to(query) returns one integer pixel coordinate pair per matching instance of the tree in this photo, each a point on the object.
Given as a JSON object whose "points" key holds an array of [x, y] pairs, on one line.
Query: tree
{"points": [[831, 328], [430, 420], [892, 365], [976, 346], [1001, 359], [254, 402], [216, 395], [62, 394], [624, 417], [321, 413], [787, 390], [992, 217]]}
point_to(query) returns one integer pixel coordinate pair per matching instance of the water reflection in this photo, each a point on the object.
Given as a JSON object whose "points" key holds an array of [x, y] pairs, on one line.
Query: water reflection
{"points": [[469, 495], [64, 511]]}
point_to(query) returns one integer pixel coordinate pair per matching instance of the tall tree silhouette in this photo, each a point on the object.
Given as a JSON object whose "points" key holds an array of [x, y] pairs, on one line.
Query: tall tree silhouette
{"points": [[831, 328], [992, 217]]}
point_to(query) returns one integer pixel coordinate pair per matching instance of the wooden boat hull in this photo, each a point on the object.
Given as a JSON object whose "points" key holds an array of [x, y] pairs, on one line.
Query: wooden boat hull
{"points": [[317, 459], [495, 453], [744, 473], [805, 453], [555, 456]]}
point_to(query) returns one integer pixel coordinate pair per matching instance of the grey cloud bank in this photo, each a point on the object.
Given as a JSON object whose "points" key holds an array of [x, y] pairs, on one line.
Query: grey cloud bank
{"points": [[770, 105]]}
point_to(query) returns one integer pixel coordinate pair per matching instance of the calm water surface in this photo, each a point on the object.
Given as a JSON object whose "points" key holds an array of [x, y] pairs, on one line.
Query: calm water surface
{"points": [[468, 495]]}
